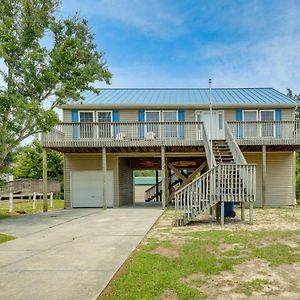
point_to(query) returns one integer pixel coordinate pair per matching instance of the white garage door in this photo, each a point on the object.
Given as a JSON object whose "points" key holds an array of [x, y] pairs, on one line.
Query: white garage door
{"points": [[87, 188]]}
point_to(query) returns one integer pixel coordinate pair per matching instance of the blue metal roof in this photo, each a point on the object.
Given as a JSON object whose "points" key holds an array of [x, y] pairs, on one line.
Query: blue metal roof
{"points": [[186, 97]]}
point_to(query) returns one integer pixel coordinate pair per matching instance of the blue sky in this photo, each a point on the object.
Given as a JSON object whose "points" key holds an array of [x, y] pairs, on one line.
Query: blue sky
{"points": [[182, 43]]}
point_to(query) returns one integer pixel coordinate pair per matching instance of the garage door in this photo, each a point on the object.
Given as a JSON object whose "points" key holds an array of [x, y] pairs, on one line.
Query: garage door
{"points": [[87, 188]]}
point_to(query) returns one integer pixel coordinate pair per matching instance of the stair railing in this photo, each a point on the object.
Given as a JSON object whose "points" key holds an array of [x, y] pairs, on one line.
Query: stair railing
{"points": [[222, 183], [208, 148], [151, 192], [234, 147]]}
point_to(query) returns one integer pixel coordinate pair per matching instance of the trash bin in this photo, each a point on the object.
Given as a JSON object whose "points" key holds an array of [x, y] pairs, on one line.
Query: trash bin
{"points": [[228, 209]]}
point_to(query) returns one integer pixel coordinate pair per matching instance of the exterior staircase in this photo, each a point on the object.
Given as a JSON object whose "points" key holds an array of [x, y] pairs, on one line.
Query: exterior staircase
{"points": [[155, 191], [229, 179], [222, 152]]}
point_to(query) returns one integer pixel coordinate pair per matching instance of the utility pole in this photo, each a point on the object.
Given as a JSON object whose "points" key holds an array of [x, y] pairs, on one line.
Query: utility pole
{"points": [[210, 117]]}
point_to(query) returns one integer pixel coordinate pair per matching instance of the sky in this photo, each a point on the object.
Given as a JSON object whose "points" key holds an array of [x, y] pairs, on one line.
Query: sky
{"points": [[183, 43]]}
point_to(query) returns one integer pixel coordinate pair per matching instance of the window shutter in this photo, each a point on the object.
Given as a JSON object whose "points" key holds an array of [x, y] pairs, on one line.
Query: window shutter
{"points": [[141, 118], [278, 118], [239, 128], [74, 117], [116, 119], [115, 116], [181, 118]]}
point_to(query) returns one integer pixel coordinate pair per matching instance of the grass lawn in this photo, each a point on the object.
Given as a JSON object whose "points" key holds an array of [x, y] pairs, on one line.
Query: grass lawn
{"points": [[25, 207], [5, 238], [209, 261]]}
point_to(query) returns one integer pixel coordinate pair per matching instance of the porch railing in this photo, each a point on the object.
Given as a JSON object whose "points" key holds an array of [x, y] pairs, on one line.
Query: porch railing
{"points": [[266, 132], [124, 134]]}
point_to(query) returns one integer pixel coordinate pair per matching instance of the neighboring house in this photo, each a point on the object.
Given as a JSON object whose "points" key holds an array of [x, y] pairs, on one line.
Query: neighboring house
{"points": [[107, 136], [141, 185]]}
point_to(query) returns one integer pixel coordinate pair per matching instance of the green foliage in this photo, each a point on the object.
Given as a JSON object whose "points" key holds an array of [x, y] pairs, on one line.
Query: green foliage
{"points": [[29, 163], [297, 98], [146, 173], [297, 117], [5, 238], [46, 61]]}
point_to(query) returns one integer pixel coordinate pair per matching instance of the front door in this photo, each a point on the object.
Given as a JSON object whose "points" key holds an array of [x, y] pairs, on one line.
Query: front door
{"points": [[213, 122]]}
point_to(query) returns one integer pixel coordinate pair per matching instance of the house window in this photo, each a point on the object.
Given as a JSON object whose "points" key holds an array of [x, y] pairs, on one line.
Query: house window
{"points": [[152, 127], [104, 128], [169, 130], [250, 129], [267, 125], [86, 118]]}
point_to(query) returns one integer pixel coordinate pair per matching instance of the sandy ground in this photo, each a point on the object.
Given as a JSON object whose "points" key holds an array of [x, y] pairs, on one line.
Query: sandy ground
{"points": [[280, 282]]}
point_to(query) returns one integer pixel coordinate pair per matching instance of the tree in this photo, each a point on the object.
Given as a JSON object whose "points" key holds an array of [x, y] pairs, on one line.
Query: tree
{"points": [[46, 61], [29, 163], [297, 98], [297, 117]]}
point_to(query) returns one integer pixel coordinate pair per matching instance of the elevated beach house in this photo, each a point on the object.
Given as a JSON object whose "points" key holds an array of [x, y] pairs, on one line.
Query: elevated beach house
{"points": [[240, 149]]}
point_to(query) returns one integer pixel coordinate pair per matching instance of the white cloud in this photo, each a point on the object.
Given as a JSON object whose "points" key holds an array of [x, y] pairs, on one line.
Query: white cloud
{"points": [[152, 16]]}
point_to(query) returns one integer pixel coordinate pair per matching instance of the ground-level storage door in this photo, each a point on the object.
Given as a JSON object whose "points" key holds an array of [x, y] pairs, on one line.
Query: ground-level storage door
{"points": [[87, 188]]}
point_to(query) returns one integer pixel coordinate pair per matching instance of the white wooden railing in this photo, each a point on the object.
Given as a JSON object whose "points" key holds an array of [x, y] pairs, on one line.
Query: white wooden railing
{"points": [[222, 183], [266, 132], [234, 147], [124, 134], [208, 148]]}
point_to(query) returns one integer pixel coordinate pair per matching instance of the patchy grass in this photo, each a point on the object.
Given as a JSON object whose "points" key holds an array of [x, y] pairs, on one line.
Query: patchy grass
{"points": [[5, 238], [25, 207], [207, 253], [249, 287]]}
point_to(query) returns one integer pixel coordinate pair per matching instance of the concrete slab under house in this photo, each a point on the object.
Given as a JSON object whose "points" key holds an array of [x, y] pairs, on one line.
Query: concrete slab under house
{"points": [[208, 147]]}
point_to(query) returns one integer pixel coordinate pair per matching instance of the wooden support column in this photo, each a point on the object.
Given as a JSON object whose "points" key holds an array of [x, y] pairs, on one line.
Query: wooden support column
{"points": [[251, 213], [163, 177], [45, 181], [104, 167], [222, 213], [167, 191], [156, 182], [264, 175]]}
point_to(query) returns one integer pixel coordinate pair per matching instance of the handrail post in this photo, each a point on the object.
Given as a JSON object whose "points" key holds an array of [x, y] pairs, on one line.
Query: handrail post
{"points": [[163, 179]]}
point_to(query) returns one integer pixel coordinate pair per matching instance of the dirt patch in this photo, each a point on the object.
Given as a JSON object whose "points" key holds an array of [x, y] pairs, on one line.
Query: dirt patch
{"points": [[169, 252], [252, 280], [168, 295]]}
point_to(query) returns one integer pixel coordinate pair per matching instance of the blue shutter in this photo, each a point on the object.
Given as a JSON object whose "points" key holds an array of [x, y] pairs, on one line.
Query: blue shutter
{"points": [[278, 118], [181, 126], [239, 128], [115, 119], [75, 120], [141, 117]]}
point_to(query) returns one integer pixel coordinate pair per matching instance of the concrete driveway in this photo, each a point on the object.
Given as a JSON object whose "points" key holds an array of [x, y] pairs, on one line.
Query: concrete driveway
{"points": [[69, 254]]}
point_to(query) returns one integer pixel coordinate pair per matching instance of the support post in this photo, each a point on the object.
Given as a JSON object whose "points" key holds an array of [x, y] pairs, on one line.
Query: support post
{"points": [[251, 213], [163, 179], [51, 199], [34, 200], [45, 181], [243, 211], [264, 175], [156, 182], [10, 203], [222, 212], [104, 178]]}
